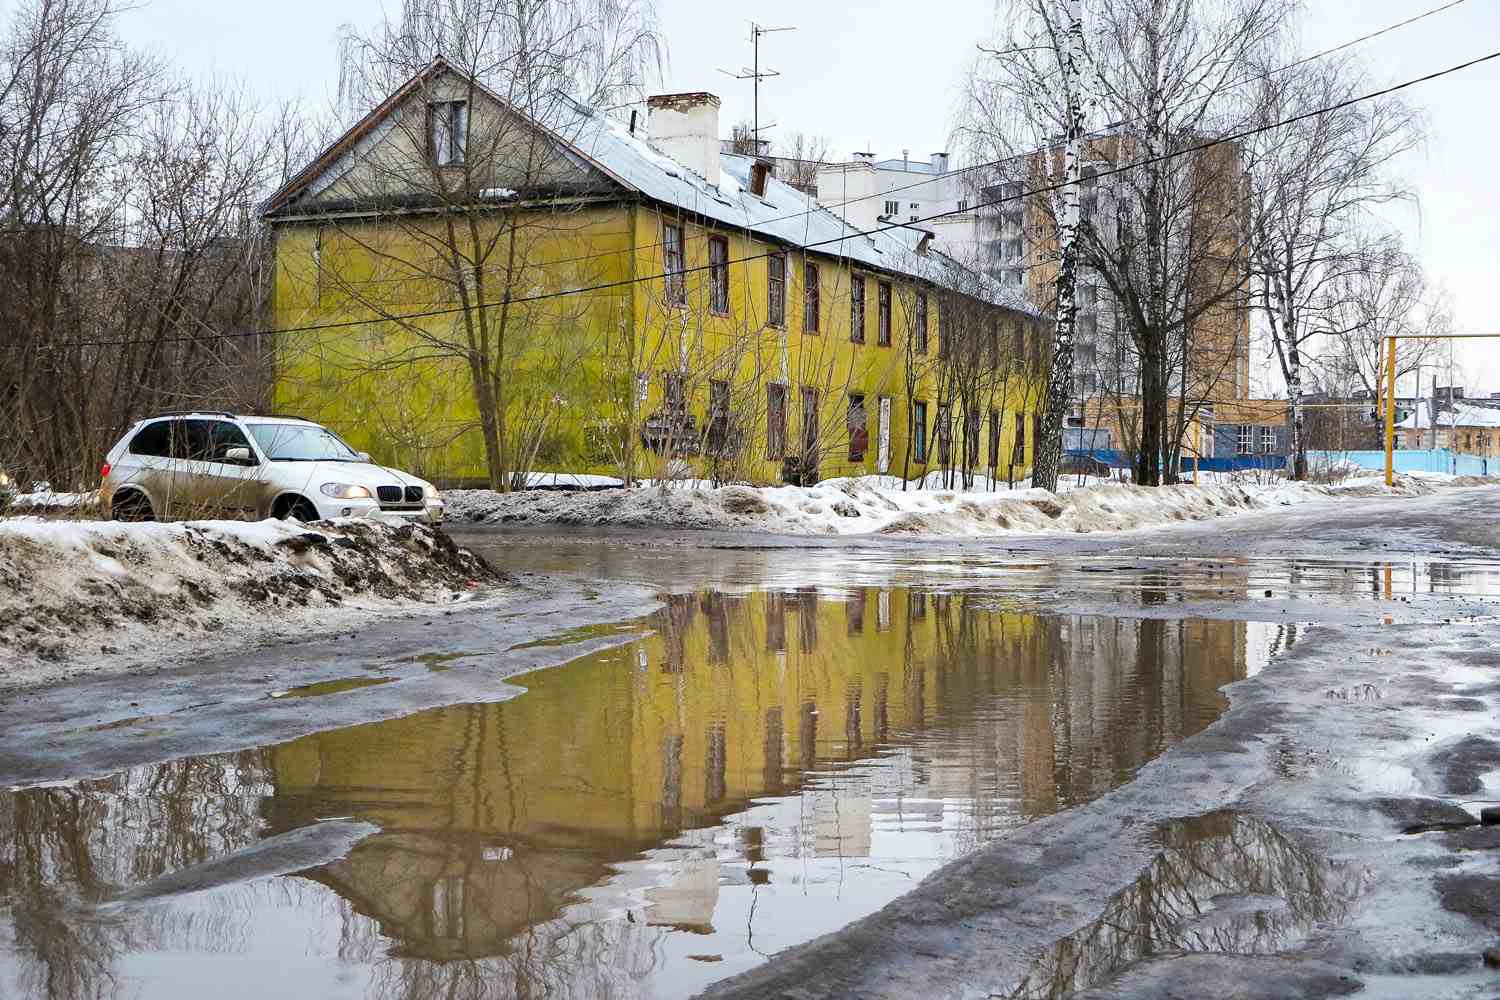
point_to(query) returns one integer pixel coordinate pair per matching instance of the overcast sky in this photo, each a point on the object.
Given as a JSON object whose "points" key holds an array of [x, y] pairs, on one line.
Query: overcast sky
{"points": [[884, 75]]}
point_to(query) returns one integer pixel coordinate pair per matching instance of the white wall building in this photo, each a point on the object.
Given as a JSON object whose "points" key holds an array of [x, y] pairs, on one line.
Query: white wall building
{"points": [[868, 193]]}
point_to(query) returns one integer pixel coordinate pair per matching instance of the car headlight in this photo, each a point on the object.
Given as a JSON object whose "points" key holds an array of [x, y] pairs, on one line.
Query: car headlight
{"points": [[430, 492], [343, 491]]}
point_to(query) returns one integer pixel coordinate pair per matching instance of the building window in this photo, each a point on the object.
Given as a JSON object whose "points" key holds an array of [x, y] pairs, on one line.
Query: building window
{"points": [[810, 303], [675, 394], [1267, 440], [857, 309], [915, 218], [945, 430], [971, 438], [992, 344], [718, 417], [859, 429], [776, 289], [994, 451], [676, 288], [1018, 449], [883, 320], [892, 207], [963, 204], [447, 132], [915, 206], [919, 322], [942, 332], [919, 432], [1018, 343], [809, 428], [1011, 249], [775, 422], [1244, 440], [718, 275]]}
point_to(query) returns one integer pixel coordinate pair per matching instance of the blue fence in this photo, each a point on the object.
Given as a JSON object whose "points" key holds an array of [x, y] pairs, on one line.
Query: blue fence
{"points": [[1116, 459], [1408, 460]]}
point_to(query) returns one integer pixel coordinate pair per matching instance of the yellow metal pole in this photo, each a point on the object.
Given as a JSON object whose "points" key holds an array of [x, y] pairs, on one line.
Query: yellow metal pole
{"points": [[1390, 411]]}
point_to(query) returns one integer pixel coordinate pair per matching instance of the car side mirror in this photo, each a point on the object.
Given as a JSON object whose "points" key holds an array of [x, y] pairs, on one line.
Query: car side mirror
{"points": [[238, 456], [363, 456]]}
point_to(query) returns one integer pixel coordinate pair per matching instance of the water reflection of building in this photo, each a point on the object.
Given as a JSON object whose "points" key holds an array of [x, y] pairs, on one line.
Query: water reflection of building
{"points": [[734, 698], [519, 835]]}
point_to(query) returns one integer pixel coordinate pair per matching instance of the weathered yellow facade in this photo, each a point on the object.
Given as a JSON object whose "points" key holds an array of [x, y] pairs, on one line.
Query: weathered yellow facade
{"points": [[614, 353]]}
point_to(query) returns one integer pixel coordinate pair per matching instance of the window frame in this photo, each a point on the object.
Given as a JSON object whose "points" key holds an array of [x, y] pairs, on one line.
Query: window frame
{"points": [[918, 431], [674, 275], [856, 308], [718, 275], [776, 393], [453, 115], [858, 432], [883, 313], [776, 290], [1244, 439], [919, 323], [811, 298]]}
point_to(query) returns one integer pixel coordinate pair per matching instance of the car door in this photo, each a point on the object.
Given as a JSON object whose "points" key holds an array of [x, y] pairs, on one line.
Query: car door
{"points": [[208, 483], [234, 484], [194, 492]]}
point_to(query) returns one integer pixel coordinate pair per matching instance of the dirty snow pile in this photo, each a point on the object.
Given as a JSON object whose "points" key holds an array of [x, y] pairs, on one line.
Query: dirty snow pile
{"points": [[73, 590], [879, 505]]}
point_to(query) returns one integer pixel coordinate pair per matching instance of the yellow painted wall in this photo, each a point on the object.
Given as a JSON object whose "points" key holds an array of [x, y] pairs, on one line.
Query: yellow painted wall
{"points": [[581, 355]]}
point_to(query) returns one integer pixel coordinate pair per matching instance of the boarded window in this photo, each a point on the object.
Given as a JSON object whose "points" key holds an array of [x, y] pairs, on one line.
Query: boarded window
{"points": [[942, 332], [447, 132], [675, 394], [776, 289], [883, 329], [971, 438], [859, 428], [718, 275], [919, 323], [810, 293], [857, 309], [809, 427], [1018, 448], [718, 417], [676, 287], [919, 432], [776, 422], [945, 434]]}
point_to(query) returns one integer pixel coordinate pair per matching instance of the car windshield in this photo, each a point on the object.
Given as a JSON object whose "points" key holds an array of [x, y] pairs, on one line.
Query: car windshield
{"points": [[301, 443]]}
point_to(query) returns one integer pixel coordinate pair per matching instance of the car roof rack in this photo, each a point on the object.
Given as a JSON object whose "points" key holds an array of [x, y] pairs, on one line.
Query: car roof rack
{"points": [[189, 413], [282, 416]]}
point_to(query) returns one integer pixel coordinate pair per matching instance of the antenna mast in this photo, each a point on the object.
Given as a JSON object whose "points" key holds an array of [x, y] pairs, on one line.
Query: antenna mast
{"points": [[756, 74]]}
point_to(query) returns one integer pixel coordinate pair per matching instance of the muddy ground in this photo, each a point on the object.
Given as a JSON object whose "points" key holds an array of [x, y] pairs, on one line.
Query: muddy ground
{"points": [[1319, 839]]}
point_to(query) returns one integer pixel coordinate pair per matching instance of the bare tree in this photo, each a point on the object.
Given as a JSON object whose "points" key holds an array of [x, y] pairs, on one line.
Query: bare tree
{"points": [[1382, 295], [133, 273], [1313, 184]]}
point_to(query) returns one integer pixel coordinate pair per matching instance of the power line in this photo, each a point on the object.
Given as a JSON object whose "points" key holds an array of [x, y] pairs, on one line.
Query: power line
{"points": [[624, 282], [1097, 133]]}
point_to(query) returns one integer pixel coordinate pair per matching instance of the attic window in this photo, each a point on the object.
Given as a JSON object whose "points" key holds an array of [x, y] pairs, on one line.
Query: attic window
{"points": [[447, 132]]}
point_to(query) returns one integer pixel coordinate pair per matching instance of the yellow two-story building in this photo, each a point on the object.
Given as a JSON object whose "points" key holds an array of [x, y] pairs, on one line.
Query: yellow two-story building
{"points": [[480, 286]]}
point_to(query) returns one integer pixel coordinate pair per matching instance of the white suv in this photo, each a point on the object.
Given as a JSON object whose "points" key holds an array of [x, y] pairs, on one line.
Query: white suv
{"points": [[220, 465]]}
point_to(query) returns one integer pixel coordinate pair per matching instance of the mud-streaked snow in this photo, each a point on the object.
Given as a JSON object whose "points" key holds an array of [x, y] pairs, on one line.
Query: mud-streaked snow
{"points": [[86, 595], [878, 504]]}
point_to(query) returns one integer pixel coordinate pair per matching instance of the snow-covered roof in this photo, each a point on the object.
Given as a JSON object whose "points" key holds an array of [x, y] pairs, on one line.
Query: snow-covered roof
{"points": [[1459, 414], [783, 214]]}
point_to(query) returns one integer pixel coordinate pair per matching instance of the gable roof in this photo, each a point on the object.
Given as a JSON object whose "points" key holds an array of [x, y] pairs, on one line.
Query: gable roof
{"points": [[782, 214]]}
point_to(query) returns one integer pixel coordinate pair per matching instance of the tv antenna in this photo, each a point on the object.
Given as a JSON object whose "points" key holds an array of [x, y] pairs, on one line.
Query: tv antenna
{"points": [[755, 73]]}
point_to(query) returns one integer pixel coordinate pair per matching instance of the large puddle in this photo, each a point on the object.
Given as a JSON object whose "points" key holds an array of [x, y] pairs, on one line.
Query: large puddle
{"points": [[761, 768]]}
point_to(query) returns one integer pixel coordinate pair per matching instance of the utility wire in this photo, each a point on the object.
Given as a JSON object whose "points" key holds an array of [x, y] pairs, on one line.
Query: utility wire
{"points": [[1101, 132], [624, 282]]}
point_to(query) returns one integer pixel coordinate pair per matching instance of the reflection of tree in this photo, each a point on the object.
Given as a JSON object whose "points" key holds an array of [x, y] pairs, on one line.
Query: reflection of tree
{"points": [[1200, 895], [66, 848]]}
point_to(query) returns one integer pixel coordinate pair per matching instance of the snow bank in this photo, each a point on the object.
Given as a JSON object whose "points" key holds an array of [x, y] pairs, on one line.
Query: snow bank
{"points": [[878, 505], [48, 502], [76, 590]]}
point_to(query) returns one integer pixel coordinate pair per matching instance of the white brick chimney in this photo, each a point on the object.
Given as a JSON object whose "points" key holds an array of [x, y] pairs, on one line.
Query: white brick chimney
{"points": [[686, 128]]}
